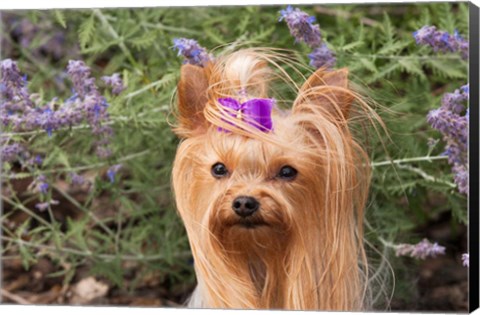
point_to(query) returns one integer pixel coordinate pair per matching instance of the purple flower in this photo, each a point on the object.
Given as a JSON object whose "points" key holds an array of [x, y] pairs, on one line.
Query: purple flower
{"points": [[322, 57], [18, 113], [455, 101], [11, 152], [466, 260], [461, 178], [42, 206], [103, 152], [94, 106], [48, 38], [77, 180], [451, 119], [421, 250], [80, 75], [115, 82], [48, 121], [14, 94], [41, 184], [301, 26], [441, 41], [38, 160], [112, 171], [192, 52]]}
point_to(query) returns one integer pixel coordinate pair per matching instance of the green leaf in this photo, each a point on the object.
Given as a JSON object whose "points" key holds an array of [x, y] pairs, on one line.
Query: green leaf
{"points": [[412, 66], [112, 270], [463, 18], [22, 175], [28, 258], [6, 167], [393, 47], [86, 31], [387, 29], [76, 231], [447, 18], [368, 64], [385, 71], [60, 18], [215, 36], [57, 157], [352, 46], [144, 41], [447, 69], [98, 47], [125, 77], [263, 34], [243, 25]]}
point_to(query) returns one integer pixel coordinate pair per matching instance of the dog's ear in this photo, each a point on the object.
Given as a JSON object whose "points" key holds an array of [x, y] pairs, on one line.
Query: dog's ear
{"points": [[192, 98], [326, 89]]}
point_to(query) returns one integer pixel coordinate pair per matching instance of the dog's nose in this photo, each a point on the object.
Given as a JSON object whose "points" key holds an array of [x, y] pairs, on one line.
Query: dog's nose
{"points": [[245, 206]]}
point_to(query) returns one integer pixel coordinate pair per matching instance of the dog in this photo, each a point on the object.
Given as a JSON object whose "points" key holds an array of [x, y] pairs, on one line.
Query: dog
{"points": [[272, 200]]}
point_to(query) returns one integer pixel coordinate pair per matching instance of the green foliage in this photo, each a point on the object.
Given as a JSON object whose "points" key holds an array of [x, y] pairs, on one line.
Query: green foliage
{"points": [[86, 31], [133, 219]]}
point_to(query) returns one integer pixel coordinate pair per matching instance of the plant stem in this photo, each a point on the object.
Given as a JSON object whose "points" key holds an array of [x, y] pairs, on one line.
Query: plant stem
{"points": [[84, 167], [149, 86], [387, 243], [20, 206], [98, 13], [426, 176], [139, 257], [113, 120], [345, 15], [86, 211], [170, 28], [426, 58], [409, 160]]}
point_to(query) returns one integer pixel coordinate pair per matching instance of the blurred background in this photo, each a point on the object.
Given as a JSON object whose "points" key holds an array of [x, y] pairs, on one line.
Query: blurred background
{"points": [[88, 215]]}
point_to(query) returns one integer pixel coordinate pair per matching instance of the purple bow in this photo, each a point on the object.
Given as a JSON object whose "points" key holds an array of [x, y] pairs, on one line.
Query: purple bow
{"points": [[256, 112]]}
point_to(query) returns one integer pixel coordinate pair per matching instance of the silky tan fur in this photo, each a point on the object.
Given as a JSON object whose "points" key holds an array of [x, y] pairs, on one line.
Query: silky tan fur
{"points": [[308, 254]]}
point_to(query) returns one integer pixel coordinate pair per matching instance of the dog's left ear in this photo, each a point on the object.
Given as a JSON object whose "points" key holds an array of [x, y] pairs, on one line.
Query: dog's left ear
{"points": [[326, 89], [192, 98]]}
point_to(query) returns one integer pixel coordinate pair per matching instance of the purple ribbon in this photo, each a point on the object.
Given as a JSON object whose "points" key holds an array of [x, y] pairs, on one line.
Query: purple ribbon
{"points": [[256, 112]]}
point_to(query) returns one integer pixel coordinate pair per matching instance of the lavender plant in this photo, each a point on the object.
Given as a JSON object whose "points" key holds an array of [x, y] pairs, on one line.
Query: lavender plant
{"points": [[322, 57], [466, 260], [451, 119], [192, 52], [112, 171], [19, 113], [420, 250], [302, 28], [441, 41], [86, 185], [42, 38], [115, 82]]}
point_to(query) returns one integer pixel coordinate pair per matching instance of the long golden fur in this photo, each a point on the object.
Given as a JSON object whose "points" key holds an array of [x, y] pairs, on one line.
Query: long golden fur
{"points": [[307, 251]]}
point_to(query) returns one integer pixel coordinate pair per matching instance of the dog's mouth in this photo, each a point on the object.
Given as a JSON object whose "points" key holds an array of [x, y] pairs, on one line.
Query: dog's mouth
{"points": [[250, 223]]}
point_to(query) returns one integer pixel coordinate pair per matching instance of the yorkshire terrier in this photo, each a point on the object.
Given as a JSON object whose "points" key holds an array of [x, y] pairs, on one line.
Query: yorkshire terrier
{"points": [[272, 200]]}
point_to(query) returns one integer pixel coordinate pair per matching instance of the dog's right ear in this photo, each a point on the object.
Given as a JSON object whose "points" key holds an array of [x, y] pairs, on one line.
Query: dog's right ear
{"points": [[328, 90], [192, 98]]}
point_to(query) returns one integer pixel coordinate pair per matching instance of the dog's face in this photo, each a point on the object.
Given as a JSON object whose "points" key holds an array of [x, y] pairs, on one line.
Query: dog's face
{"points": [[249, 193], [273, 212]]}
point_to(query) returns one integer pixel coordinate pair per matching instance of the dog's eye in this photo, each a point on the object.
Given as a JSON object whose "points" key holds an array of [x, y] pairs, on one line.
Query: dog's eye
{"points": [[287, 173], [219, 170]]}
